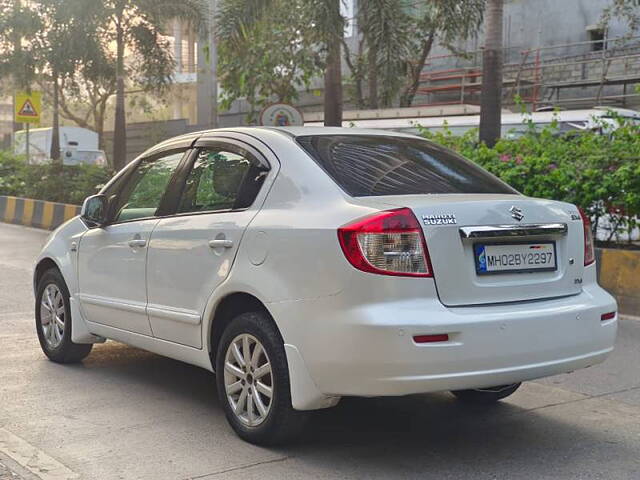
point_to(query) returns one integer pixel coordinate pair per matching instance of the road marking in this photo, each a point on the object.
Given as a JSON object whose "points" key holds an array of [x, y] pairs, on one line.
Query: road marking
{"points": [[33, 459]]}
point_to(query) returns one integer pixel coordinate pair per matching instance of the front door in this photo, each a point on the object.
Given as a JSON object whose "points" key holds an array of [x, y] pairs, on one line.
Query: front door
{"points": [[112, 260], [191, 253]]}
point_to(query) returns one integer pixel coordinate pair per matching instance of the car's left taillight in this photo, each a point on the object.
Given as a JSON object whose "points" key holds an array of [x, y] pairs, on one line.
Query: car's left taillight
{"points": [[387, 243], [589, 251]]}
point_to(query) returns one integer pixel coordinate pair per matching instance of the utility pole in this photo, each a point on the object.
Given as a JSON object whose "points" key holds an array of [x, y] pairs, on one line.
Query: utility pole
{"points": [[491, 101], [207, 96]]}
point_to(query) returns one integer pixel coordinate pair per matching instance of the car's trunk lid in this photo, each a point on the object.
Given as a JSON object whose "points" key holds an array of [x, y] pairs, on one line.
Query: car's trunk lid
{"points": [[454, 223]]}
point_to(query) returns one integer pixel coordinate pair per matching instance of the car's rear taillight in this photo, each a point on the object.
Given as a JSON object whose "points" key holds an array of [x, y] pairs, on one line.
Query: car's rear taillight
{"points": [[387, 243], [589, 252]]}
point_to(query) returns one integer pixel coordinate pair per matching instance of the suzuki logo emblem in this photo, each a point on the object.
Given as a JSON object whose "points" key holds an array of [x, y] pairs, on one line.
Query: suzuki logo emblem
{"points": [[516, 213]]}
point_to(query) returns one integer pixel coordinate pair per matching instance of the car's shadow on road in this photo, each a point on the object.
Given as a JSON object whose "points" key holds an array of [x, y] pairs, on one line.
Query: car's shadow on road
{"points": [[407, 434]]}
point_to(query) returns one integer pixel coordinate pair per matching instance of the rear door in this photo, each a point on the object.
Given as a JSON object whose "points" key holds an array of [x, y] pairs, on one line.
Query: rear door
{"points": [[192, 252]]}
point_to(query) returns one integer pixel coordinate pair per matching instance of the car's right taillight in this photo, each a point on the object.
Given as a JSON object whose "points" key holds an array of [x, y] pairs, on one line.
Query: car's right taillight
{"points": [[387, 243], [589, 251]]}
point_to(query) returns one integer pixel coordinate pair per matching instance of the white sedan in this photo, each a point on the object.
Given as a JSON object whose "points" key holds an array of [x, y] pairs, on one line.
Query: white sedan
{"points": [[307, 264]]}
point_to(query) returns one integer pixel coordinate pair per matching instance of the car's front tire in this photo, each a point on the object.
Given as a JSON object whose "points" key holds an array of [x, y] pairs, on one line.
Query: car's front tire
{"points": [[488, 395], [53, 320], [252, 376]]}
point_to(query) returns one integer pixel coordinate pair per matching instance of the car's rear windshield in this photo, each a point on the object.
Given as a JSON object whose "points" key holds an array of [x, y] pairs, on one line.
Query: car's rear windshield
{"points": [[373, 165]]}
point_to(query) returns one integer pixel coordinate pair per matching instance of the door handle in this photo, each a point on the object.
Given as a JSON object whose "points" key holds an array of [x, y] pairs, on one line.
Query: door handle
{"points": [[138, 243], [221, 243]]}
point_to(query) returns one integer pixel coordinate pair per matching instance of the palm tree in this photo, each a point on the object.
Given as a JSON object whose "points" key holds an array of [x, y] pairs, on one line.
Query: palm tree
{"points": [[136, 26], [385, 44], [491, 101], [62, 42], [326, 27], [331, 23]]}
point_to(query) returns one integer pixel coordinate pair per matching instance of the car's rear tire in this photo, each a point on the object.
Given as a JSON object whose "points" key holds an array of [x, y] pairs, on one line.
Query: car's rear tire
{"points": [[251, 364], [53, 320], [488, 395]]}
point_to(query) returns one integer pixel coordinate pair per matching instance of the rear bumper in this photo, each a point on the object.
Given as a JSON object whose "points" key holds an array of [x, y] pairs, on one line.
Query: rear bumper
{"points": [[368, 349]]}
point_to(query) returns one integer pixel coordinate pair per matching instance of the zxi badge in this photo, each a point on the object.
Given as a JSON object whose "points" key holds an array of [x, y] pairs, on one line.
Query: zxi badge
{"points": [[516, 213]]}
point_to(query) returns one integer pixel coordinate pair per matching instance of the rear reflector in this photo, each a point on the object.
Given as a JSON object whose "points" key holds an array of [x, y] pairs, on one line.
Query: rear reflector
{"points": [[607, 316], [441, 337]]}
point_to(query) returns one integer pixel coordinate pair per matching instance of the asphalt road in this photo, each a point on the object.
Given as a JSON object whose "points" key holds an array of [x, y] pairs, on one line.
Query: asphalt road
{"points": [[125, 413]]}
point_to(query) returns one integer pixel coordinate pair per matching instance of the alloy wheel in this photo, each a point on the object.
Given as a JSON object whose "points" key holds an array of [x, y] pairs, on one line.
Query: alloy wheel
{"points": [[52, 315], [248, 380]]}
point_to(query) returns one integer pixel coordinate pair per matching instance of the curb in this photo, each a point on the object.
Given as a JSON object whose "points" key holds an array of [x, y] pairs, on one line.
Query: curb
{"points": [[619, 271], [36, 213]]}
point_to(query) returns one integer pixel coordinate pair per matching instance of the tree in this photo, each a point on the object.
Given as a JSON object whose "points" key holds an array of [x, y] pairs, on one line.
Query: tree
{"points": [[491, 101], [396, 38], [17, 59], [62, 43], [135, 26], [47, 40], [383, 50], [271, 58], [319, 37], [330, 23], [627, 10], [441, 21]]}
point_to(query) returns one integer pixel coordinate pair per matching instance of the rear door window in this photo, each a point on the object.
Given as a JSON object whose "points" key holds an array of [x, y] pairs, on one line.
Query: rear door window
{"points": [[373, 165], [221, 179]]}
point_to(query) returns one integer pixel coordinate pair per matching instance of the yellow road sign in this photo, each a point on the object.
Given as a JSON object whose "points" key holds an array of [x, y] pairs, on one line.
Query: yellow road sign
{"points": [[28, 107]]}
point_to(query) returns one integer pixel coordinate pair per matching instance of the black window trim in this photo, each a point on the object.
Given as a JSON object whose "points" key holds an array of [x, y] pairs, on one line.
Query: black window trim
{"points": [[222, 143], [167, 201], [173, 193]]}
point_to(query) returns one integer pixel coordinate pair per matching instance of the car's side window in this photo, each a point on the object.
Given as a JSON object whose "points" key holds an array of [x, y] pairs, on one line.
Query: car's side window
{"points": [[220, 180], [143, 193]]}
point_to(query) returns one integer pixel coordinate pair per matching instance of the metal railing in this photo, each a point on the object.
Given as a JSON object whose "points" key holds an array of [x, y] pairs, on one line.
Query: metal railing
{"points": [[540, 75]]}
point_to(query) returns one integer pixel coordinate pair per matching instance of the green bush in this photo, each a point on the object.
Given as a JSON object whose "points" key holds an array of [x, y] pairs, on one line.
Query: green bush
{"points": [[69, 184], [599, 173]]}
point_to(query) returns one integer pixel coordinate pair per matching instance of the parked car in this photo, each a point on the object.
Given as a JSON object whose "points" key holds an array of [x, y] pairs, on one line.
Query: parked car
{"points": [[307, 264]]}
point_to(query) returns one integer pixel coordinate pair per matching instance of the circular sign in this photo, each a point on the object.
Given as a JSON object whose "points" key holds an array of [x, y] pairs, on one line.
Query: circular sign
{"points": [[281, 115]]}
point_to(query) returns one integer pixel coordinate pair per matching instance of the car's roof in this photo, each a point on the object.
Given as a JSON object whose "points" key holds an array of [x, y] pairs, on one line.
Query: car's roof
{"points": [[262, 133], [302, 131]]}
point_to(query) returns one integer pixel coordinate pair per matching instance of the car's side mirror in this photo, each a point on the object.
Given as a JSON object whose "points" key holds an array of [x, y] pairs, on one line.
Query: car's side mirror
{"points": [[94, 210]]}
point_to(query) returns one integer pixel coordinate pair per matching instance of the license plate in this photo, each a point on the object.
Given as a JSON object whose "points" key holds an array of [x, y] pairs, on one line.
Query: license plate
{"points": [[514, 257]]}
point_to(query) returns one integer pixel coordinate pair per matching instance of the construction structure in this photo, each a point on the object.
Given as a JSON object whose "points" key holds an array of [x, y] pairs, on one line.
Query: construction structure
{"points": [[576, 75]]}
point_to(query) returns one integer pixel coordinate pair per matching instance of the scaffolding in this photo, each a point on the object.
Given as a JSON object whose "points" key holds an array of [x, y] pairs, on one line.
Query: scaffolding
{"points": [[581, 74]]}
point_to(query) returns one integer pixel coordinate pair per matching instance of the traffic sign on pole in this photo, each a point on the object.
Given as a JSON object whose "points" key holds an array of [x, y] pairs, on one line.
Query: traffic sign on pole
{"points": [[28, 107]]}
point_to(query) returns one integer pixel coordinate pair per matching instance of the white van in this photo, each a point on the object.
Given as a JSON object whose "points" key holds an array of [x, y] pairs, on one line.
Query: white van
{"points": [[77, 146]]}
